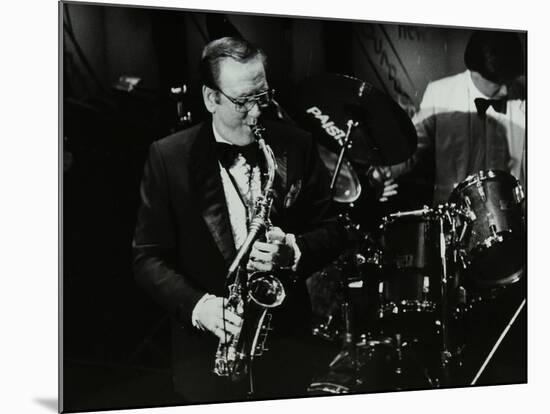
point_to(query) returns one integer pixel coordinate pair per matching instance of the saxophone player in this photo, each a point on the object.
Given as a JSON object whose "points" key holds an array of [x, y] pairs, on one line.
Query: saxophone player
{"points": [[197, 195]]}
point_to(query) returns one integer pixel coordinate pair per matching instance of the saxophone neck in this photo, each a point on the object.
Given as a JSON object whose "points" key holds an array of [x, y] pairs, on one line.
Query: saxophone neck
{"points": [[271, 163]]}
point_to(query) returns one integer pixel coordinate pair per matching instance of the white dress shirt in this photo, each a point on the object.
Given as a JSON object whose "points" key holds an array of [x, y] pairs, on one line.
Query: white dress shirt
{"points": [[249, 185], [463, 142]]}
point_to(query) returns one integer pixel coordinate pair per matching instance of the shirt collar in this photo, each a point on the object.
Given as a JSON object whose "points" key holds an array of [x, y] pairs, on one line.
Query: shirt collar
{"points": [[476, 93]]}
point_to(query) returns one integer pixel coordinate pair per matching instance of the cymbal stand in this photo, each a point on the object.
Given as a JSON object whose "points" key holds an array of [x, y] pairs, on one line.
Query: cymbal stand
{"points": [[346, 144], [349, 348], [349, 351]]}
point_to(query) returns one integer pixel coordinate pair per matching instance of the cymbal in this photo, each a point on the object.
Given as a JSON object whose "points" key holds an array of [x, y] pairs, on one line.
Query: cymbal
{"points": [[384, 134], [347, 188]]}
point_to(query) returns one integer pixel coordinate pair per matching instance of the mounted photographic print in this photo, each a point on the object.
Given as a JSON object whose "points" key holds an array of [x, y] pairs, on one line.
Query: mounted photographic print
{"points": [[258, 207]]}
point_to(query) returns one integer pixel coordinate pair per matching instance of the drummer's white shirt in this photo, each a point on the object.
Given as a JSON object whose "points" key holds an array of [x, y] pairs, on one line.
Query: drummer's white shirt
{"points": [[448, 123]]}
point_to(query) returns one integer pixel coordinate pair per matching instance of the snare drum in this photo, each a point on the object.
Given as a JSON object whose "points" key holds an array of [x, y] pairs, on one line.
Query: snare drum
{"points": [[491, 230]]}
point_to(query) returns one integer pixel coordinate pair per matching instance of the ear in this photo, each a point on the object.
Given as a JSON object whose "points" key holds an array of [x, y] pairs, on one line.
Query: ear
{"points": [[210, 98]]}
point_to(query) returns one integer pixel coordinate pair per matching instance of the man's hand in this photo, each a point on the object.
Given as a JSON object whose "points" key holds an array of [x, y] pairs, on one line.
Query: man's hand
{"points": [[210, 316], [389, 190], [380, 178], [273, 254]]}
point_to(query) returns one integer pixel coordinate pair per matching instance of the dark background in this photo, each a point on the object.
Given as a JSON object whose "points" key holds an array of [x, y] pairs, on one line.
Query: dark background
{"points": [[115, 339]]}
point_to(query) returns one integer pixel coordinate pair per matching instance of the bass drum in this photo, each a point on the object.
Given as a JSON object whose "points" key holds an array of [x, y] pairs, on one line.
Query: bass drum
{"points": [[492, 239]]}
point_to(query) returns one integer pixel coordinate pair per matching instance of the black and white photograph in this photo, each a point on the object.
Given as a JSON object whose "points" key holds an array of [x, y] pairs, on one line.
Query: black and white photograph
{"points": [[320, 207], [258, 207]]}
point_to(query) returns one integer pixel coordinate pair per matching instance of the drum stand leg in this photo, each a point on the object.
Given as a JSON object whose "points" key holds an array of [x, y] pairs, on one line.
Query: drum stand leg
{"points": [[445, 352], [348, 357]]}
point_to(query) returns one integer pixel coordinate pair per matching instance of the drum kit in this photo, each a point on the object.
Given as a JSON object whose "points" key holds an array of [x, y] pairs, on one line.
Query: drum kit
{"points": [[397, 303]]}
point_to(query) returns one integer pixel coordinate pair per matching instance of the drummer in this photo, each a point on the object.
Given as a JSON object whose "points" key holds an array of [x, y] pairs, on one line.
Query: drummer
{"points": [[471, 121]]}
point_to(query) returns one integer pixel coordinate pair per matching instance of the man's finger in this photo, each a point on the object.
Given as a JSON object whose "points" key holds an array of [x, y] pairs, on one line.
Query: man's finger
{"points": [[233, 320], [265, 247], [259, 256], [275, 234], [224, 336], [229, 327], [260, 266], [231, 317]]}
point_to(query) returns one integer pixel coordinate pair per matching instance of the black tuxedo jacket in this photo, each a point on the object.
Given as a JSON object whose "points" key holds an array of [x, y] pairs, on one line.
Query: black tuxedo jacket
{"points": [[183, 242]]}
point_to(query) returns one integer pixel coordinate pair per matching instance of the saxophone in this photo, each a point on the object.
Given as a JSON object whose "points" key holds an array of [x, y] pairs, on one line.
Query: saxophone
{"points": [[251, 296]]}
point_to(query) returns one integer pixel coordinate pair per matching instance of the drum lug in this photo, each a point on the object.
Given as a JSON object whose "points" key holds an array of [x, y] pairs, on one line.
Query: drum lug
{"points": [[425, 288], [359, 259], [518, 194], [467, 211], [481, 191], [463, 257]]}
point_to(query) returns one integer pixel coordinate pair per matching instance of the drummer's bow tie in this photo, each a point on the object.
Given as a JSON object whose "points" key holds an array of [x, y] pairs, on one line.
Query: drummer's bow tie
{"points": [[499, 105], [227, 153]]}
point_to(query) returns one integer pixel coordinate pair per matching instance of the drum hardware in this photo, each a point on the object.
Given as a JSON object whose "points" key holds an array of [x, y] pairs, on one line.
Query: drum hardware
{"points": [[435, 293], [323, 330], [359, 259], [344, 376], [416, 213], [443, 213], [426, 261], [488, 207], [346, 144], [405, 306], [481, 191], [519, 195], [332, 385]]}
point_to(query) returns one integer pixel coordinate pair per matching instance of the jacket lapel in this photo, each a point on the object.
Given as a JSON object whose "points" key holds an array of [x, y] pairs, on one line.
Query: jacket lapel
{"points": [[210, 194]]}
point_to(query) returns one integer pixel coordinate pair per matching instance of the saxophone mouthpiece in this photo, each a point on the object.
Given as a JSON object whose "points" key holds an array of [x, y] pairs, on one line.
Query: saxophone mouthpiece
{"points": [[257, 130]]}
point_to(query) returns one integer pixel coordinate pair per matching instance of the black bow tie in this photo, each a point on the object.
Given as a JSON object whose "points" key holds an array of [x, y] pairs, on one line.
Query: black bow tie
{"points": [[499, 105], [227, 153]]}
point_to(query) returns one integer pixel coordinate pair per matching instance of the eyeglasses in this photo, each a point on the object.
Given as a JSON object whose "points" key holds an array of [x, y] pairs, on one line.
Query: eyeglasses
{"points": [[245, 104]]}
